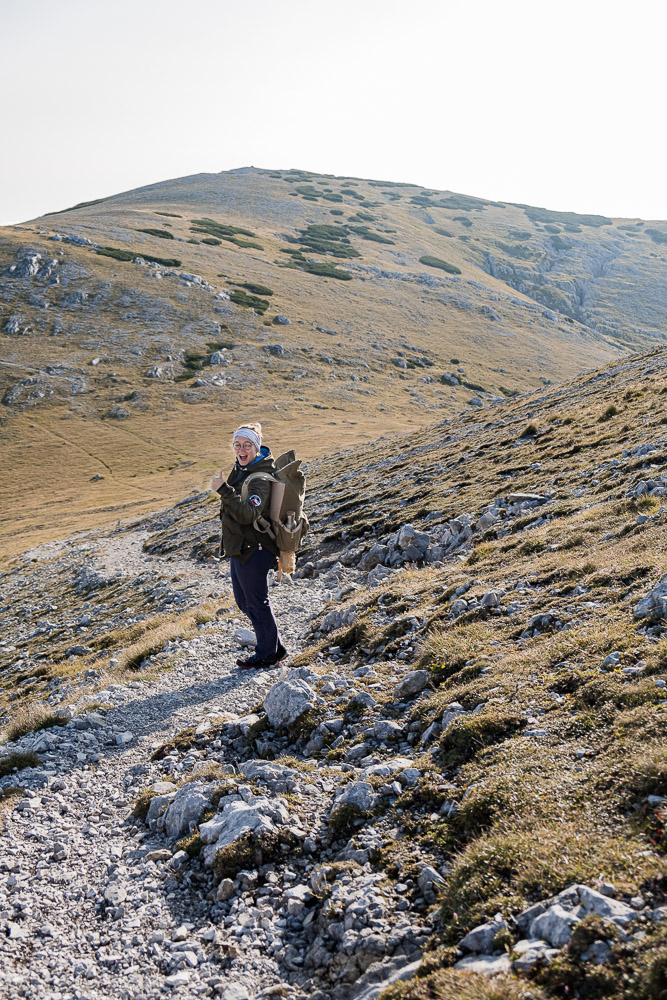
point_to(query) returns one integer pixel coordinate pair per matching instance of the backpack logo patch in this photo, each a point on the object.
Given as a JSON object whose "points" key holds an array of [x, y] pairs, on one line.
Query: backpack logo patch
{"points": [[255, 500]]}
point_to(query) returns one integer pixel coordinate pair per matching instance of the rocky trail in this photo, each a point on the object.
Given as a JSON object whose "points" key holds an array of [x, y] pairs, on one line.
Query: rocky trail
{"points": [[192, 829], [98, 901], [95, 903]]}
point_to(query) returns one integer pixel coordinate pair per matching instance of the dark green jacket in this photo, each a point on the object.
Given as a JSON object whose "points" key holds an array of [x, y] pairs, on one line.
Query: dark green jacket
{"points": [[239, 537]]}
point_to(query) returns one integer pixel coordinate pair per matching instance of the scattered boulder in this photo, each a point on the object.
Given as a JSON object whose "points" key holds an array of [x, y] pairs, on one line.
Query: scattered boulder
{"points": [[654, 605], [359, 795], [237, 817], [411, 684], [480, 939], [287, 701], [555, 925], [186, 807]]}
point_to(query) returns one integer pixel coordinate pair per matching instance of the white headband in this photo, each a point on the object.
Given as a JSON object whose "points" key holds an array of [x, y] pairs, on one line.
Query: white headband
{"points": [[248, 432]]}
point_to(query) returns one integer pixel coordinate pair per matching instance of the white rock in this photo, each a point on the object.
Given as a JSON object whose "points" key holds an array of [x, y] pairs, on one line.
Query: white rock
{"points": [[485, 965], [359, 793], [186, 807], [480, 939], [555, 924], [604, 906], [287, 701], [411, 684], [245, 637], [259, 815]]}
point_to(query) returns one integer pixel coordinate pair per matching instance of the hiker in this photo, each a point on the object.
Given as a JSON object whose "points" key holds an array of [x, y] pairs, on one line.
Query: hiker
{"points": [[251, 554]]}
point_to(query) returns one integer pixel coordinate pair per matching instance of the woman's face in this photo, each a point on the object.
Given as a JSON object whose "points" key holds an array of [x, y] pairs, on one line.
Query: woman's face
{"points": [[245, 451]]}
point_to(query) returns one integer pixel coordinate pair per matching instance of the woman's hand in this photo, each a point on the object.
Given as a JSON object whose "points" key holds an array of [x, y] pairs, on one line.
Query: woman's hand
{"points": [[217, 480]]}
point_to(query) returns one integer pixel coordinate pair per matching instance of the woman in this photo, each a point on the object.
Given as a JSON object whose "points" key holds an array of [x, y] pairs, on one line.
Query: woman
{"points": [[251, 553]]}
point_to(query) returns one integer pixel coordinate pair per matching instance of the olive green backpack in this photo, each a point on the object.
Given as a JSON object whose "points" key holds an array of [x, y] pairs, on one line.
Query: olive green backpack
{"points": [[286, 523]]}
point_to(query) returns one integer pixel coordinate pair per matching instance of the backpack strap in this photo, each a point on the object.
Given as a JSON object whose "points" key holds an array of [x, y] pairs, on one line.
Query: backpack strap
{"points": [[260, 523]]}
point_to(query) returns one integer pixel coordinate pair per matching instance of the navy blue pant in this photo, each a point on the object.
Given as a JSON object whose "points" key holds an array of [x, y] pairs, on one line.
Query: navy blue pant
{"points": [[250, 584]]}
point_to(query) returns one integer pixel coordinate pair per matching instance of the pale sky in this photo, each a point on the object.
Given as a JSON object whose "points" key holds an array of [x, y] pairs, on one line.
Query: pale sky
{"points": [[552, 103]]}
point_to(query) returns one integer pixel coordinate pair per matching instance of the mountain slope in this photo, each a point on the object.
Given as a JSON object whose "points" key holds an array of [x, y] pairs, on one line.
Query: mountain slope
{"points": [[312, 295], [488, 680]]}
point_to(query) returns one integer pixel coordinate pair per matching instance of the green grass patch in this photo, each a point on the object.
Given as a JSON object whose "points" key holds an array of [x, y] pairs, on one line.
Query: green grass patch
{"points": [[241, 298], [32, 719], [161, 234], [442, 265], [219, 230], [565, 218], [469, 734], [17, 762], [127, 255]]}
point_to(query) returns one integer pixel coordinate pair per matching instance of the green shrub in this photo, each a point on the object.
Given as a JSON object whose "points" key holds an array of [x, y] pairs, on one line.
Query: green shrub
{"points": [[321, 269], [116, 253], [127, 255], [510, 393], [224, 232], [211, 241], [566, 218], [610, 412], [17, 761], [172, 215], [241, 298], [161, 234], [465, 736], [366, 234], [330, 240], [441, 264], [256, 289]]}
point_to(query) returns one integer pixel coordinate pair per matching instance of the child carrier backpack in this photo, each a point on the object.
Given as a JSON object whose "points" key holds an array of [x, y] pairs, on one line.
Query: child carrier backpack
{"points": [[287, 523]]}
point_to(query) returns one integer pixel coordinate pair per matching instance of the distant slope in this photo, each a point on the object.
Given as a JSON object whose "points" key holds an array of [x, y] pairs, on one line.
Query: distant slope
{"points": [[336, 309]]}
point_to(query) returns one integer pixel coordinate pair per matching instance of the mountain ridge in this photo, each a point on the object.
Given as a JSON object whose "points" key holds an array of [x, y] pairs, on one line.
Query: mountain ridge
{"points": [[379, 310]]}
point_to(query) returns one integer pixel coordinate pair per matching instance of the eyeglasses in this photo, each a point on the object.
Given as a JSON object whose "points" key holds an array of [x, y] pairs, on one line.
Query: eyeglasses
{"points": [[243, 447]]}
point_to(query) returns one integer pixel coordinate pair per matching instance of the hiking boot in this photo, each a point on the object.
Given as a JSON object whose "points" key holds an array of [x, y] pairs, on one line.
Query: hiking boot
{"points": [[280, 654], [262, 662], [251, 661]]}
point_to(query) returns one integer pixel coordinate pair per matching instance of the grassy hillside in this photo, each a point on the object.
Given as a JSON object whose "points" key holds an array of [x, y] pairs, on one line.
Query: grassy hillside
{"points": [[531, 623], [387, 288]]}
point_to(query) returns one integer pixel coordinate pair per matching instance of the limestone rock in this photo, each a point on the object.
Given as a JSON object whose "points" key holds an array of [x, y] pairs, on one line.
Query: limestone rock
{"points": [[555, 925], [485, 965], [411, 684], [359, 793], [186, 807], [654, 605], [287, 701], [480, 939], [258, 815]]}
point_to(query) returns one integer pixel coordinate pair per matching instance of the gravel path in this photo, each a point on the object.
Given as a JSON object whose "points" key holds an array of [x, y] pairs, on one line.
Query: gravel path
{"points": [[91, 905]]}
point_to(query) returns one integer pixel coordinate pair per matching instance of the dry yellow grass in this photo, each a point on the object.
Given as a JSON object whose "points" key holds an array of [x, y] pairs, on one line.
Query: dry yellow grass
{"points": [[50, 453]]}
